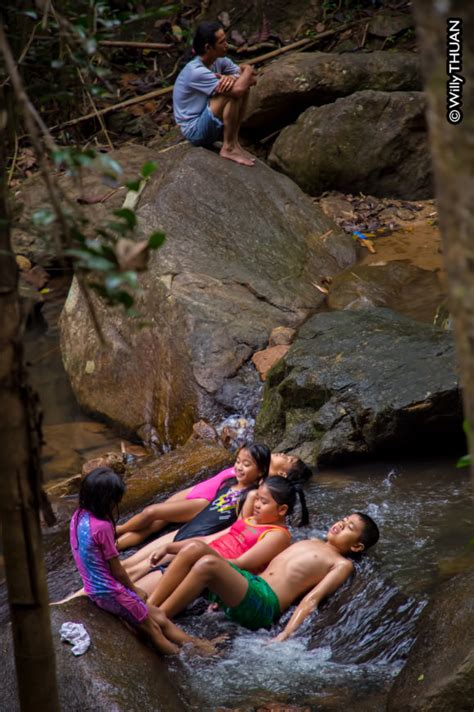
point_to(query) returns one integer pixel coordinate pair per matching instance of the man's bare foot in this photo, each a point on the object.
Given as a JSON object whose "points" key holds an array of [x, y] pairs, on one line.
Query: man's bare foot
{"points": [[247, 154], [236, 155]]}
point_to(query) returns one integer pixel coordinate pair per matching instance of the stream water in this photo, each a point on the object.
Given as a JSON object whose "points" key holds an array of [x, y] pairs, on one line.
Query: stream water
{"points": [[346, 655]]}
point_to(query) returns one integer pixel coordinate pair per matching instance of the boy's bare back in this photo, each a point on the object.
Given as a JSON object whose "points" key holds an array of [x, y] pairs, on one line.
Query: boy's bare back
{"points": [[301, 567]]}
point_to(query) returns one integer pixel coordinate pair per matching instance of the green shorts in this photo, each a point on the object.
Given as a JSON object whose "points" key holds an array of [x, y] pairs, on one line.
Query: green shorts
{"points": [[258, 609]]}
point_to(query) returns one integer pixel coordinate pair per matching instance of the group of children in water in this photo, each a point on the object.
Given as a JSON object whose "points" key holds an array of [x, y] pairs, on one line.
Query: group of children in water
{"points": [[233, 542]]}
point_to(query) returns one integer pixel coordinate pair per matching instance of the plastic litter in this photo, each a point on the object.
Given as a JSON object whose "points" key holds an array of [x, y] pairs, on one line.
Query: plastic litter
{"points": [[77, 635]]}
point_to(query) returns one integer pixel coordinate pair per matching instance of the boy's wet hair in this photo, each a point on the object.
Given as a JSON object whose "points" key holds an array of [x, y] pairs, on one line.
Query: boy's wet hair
{"points": [[370, 534], [284, 491], [205, 35], [101, 491], [300, 472]]}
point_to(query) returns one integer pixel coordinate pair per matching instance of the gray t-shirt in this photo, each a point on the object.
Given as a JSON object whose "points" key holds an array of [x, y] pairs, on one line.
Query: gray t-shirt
{"points": [[193, 87]]}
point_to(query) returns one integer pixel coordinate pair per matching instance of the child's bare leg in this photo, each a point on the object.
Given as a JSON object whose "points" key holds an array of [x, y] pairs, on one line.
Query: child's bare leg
{"points": [[151, 627], [129, 539], [178, 570], [181, 510], [209, 572], [138, 564]]}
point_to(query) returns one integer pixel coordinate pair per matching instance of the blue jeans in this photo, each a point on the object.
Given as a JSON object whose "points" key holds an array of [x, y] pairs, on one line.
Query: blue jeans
{"points": [[207, 130]]}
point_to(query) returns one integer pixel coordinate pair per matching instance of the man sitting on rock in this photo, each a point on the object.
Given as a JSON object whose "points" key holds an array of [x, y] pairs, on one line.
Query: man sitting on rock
{"points": [[210, 95], [312, 567]]}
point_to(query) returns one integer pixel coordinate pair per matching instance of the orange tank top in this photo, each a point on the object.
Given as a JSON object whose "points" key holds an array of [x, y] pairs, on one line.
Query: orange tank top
{"points": [[242, 536]]}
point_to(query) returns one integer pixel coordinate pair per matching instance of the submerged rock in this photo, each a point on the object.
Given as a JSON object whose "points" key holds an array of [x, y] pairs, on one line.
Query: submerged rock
{"points": [[118, 673], [360, 383], [372, 141], [289, 86], [439, 673], [243, 248]]}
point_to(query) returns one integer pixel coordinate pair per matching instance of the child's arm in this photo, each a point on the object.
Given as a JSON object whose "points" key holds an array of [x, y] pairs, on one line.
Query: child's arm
{"points": [[119, 573], [173, 547], [247, 507], [339, 573], [256, 558]]}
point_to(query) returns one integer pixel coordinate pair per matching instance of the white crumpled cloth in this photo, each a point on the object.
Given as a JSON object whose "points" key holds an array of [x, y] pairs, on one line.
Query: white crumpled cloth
{"points": [[77, 635]]}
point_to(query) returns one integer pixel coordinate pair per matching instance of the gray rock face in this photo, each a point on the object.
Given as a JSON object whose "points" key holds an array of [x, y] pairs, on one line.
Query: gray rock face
{"points": [[290, 85], [439, 673], [244, 246], [373, 142], [359, 383], [118, 672]]}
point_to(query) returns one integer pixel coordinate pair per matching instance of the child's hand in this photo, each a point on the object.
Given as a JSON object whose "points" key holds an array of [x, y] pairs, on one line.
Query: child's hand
{"points": [[157, 555], [280, 637], [141, 593]]}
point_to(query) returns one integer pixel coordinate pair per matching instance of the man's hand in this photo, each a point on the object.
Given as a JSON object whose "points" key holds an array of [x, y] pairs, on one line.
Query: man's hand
{"points": [[226, 82]]}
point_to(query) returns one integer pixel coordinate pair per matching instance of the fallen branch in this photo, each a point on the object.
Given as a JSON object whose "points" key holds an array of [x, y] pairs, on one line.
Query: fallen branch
{"points": [[136, 45], [306, 42]]}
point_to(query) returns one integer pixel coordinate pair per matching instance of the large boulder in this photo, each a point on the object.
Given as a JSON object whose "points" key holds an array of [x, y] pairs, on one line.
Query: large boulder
{"points": [[439, 673], [290, 85], [374, 142], [118, 672], [244, 248], [360, 383]]}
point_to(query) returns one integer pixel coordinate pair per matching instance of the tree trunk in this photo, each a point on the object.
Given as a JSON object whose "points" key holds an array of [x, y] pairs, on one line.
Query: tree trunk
{"points": [[20, 488], [452, 147]]}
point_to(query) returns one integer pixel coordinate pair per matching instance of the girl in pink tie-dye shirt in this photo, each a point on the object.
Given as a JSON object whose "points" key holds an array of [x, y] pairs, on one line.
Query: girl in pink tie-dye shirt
{"points": [[107, 584]]}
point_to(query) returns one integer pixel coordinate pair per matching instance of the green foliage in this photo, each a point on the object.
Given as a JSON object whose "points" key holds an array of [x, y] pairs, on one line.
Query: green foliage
{"points": [[465, 460]]}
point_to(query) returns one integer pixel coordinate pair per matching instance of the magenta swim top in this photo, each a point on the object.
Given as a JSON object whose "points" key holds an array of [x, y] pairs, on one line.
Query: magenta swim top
{"points": [[208, 489], [93, 544]]}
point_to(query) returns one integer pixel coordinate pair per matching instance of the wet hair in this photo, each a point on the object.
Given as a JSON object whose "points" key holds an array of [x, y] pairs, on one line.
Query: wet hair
{"points": [[300, 472], [370, 534], [205, 35], [100, 494], [261, 455], [286, 492]]}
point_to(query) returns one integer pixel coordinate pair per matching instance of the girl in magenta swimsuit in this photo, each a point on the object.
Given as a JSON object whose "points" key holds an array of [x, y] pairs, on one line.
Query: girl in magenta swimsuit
{"points": [[106, 583], [252, 463]]}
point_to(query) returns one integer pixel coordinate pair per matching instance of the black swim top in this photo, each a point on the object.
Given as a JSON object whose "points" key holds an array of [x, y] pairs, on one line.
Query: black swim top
{"points": [[218, 515]]}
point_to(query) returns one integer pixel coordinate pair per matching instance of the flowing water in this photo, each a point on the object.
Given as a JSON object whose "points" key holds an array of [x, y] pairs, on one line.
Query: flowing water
{"points": [[348, 652]]}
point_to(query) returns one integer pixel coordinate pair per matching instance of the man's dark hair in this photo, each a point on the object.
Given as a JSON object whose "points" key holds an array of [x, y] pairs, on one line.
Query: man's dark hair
{"points": [[205, 35], [370, 534], [300, 472]]}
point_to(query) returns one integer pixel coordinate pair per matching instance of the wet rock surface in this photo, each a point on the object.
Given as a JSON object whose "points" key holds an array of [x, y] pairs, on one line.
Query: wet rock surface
{"points": [[230, 271], [290, 85], [372, 141], [355, 384], [439, 673], [118, 672]]}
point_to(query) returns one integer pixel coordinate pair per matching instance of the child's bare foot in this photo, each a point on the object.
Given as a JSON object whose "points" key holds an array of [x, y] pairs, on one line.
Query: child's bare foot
{"points": [[236, 155], [77, 594], [208, 648]]}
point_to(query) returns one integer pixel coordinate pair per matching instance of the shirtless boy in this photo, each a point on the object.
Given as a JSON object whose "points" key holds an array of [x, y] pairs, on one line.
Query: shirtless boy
{"points": [[210, 95], [310, 567]]}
